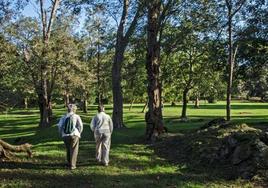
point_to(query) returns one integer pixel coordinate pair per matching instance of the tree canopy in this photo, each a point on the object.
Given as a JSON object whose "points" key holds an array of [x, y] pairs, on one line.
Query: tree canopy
{"points": [[119, 52]]}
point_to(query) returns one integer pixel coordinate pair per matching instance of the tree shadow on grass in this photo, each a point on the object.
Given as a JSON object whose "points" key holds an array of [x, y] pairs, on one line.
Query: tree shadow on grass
{"points": [[18, 122], [223, 106], [46, 176], [73, 179], [23, 112], [31, 165]]}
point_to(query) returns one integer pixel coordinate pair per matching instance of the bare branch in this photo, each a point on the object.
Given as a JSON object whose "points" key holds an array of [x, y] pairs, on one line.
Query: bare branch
{"points": [[43, 19], [51, 19], [134, 22], [235, 53], [240, 4], [120, 31]]}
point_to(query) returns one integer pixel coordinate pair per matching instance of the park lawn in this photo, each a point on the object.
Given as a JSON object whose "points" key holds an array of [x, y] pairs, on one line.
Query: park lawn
{"points": [[133, 163]]}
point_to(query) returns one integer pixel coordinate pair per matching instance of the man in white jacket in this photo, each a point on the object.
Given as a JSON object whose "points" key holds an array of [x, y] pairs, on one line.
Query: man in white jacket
{"points": [[102, 126], [70, 127]]}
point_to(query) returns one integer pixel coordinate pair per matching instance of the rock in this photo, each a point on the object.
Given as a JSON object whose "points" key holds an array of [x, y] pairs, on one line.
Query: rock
{"points": [[224, 152], [241, 153], [247, 170], [261, 156], [239, 150], [264, 137], [232, 142]]}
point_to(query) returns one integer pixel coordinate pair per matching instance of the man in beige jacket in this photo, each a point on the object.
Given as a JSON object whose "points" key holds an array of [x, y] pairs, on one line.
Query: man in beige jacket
{"points": [[102, 126], [70, 127]]}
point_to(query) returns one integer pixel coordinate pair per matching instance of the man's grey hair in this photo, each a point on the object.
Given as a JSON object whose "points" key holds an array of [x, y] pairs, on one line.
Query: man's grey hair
{"points": [[71, 107]]}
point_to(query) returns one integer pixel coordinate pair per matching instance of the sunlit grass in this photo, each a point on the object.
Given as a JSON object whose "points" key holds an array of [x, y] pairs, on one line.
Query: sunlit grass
{"points": [[133, 164]]}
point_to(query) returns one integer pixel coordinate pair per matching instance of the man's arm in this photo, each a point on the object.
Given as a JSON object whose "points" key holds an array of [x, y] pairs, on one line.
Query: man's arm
{"points": [[79, 124], [111, 124], [60, 125], [92, 124]]}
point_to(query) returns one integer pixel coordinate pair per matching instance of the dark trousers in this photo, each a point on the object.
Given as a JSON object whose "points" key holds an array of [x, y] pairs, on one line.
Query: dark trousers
{"points": [[72, 145]]}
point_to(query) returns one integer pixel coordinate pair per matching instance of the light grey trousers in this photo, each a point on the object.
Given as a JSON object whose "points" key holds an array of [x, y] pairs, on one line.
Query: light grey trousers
{"points": [[103, 143], [72, 145]]}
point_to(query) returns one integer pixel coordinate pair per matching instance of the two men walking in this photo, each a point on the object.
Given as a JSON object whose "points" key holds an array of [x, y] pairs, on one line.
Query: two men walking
{"points": [[70, 127]]}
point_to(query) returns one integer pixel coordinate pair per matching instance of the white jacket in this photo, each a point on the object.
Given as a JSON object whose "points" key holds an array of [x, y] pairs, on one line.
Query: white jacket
{"points": [[102, 123]]}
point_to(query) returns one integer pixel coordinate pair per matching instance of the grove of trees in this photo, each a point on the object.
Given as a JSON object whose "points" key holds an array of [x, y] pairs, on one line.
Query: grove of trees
{"points": [[126, 51]]}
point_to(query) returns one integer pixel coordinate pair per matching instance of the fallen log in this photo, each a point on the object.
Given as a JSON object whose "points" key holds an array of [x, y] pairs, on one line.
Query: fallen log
{"points": [[6, 149]]}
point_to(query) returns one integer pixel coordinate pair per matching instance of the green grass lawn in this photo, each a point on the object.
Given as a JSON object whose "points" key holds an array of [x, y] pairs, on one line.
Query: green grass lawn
{"points": [[133, 164]]}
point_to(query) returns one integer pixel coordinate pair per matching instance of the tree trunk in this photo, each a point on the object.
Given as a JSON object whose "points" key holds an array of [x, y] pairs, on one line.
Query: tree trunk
{"points": [[197, 102], [45, 111], [131, 104], [85, 106], [7, 149], [99, 92], [50, 109], [121, 44], [233, 8], [230, 66], [44, 90], [117, 90], [25, 101], [116, 70], [154, 119], [144, 107], [184, 104], [66, 99]]}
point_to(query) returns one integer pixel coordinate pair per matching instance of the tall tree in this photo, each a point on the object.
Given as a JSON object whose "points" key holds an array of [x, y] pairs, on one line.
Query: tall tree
{"points": [[45, 87], [159, 12], [122, 39], [98, 31], [232, 8], [154, 117]]}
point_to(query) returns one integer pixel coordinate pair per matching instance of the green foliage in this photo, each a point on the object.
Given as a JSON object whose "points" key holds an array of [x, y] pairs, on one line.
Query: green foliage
{"points": [[192, 41], [253, 51]]}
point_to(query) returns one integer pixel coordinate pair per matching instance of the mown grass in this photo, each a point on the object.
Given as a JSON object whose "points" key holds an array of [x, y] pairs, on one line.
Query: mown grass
{"points": [[133, 163]]}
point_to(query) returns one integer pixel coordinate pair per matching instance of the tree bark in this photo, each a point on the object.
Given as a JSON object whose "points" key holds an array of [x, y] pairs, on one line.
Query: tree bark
{"points": [[144, 107], [44, 90], [232, 10], [184, 104], [197, 102], [230, 66], [121, 44], [154, 119], [25, 101], [45, 109], [117, 90], [66, 99], [85, 106], [99, 91], [131, 104]]}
